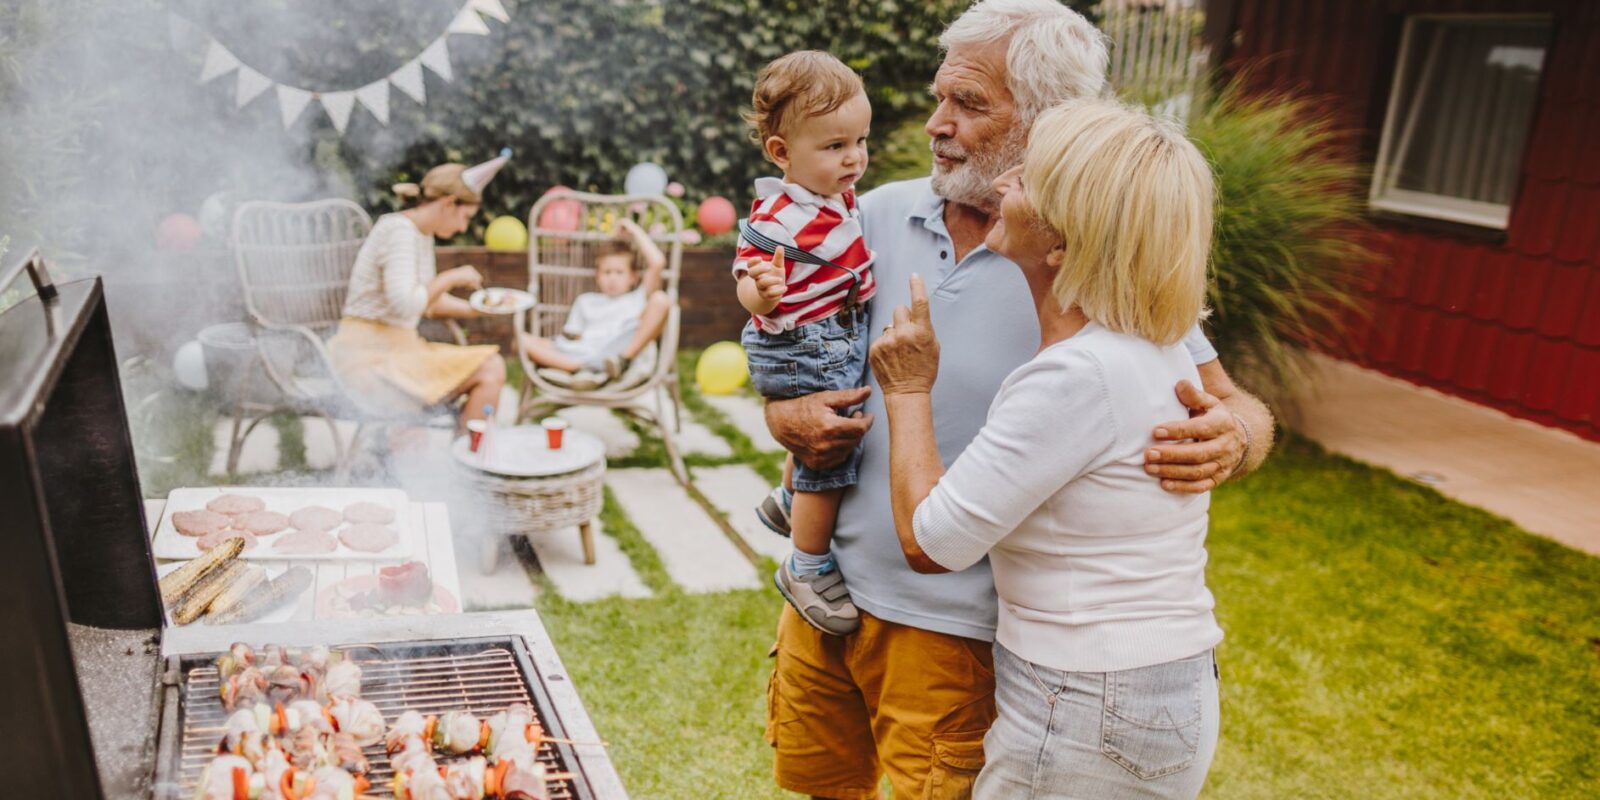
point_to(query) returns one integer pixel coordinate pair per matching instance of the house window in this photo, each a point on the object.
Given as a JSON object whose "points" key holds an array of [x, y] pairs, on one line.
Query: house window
{"points": [[1459, 116]]}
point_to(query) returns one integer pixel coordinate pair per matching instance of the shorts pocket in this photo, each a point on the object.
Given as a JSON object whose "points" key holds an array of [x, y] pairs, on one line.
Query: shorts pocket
{"points": [[772, 374], [1151, 717], [771, 732], [957, 760]]}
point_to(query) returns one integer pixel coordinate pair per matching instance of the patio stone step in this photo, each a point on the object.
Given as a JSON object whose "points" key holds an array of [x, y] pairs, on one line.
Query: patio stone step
{"points": [[748, 415], [620, 440], [507, 587], [735, 490], [695, 552], [561, 558]]}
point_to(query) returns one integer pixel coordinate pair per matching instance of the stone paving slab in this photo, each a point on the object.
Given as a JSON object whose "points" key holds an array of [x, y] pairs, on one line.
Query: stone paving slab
{"points": [[748, 415], [696, 553], [1541, 478], [260, 453], [611, 575], [507, 587], [736, 490], [620, 440]]}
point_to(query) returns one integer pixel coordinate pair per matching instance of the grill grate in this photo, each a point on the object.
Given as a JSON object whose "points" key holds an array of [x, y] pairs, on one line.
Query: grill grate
{"points": [[483, 680]]}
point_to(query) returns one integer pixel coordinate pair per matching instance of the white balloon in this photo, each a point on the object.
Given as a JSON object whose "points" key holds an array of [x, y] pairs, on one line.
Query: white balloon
{"points": [[645, 178], [190, 365]]}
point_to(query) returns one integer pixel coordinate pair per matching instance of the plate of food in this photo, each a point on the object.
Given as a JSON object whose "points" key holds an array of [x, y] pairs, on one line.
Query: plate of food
{"points": [[286, 524], [220, 589], [403, 590], [500, 300]]}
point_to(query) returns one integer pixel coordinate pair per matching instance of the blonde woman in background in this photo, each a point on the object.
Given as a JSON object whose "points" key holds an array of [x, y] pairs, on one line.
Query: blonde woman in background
{"points": [[1105, 678], [378, 352]]}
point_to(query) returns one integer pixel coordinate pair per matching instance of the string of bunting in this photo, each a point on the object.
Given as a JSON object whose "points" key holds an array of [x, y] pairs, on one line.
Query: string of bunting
{"points": [[374, 97]]}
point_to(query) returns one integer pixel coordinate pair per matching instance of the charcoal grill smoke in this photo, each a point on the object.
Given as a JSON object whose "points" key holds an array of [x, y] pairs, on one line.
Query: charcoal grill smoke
{"points": [[108, 131]]}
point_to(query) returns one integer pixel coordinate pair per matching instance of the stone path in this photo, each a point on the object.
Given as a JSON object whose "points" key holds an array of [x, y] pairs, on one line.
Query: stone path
{"points": [[746, 413], [693, 548], [735, 490], [561, 557]]}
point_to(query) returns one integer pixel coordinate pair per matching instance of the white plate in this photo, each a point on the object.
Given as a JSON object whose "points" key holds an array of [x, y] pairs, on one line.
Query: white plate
{"points": [[524, 452], [170, 544], [480, 300], [283, 613]]}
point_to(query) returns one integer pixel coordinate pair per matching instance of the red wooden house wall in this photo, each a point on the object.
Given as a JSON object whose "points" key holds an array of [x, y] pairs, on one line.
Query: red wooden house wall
{"points": [[1510, 319]]}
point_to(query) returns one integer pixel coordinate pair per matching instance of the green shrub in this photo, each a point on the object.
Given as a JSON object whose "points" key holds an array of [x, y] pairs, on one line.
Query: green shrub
{"points": [[1289, 232]]}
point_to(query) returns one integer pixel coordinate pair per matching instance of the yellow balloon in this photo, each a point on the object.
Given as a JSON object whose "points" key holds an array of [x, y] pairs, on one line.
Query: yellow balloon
{"points": [[506, 234], [721, 369]]}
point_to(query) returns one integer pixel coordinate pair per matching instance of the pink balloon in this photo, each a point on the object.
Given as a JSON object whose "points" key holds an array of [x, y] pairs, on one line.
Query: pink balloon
{"points": [[716, 215], [177, 233], [561, 215]]}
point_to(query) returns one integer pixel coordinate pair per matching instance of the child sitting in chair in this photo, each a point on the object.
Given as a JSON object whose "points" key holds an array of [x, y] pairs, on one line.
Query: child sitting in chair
{"points": [[606, 330], [804, 275]]}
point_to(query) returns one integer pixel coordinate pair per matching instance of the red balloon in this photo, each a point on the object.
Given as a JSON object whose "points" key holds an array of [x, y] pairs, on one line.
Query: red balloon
{"points": [[716, 215], [561, 215], [177, 233]]}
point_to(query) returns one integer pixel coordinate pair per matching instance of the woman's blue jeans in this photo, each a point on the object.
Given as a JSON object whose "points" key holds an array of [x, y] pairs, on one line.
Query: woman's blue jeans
{"points": [[1140, 733]]}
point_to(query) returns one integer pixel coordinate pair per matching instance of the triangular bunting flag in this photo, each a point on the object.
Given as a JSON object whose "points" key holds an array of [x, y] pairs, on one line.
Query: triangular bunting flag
{"points": [[408, 79], [251, 85], [491, 8], [437, 58], [291, 102], [339, 105], [219, 62], [375, 96], [468, 21]]}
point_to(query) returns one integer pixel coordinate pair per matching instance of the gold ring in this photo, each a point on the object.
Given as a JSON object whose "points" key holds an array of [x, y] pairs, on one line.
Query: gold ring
{"points": [[887, 327]]}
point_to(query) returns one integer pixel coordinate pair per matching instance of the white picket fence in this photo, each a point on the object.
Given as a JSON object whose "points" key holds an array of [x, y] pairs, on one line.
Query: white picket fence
{"points": [[1157, 56]]}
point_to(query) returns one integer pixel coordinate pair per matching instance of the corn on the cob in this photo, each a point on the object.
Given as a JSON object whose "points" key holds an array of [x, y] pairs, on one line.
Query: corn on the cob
{"points": [[199, 599], [253, 579], [178, 582]]}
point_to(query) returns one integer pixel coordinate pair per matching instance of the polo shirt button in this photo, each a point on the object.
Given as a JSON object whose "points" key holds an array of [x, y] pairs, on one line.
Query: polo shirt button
{"points": [[944, 253]]}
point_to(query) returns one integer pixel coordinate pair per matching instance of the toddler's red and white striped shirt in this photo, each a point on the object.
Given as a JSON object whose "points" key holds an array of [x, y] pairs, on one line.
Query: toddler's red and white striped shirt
{"points": [[826, 227]]}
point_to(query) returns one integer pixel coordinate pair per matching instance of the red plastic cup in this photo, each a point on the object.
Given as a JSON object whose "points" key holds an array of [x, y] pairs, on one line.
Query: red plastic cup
{"points": [[554, 428], [475, 429]]}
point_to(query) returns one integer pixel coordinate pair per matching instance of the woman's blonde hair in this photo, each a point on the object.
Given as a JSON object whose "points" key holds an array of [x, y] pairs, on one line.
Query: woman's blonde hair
{"points": [[1132, 200], [442, 181]]}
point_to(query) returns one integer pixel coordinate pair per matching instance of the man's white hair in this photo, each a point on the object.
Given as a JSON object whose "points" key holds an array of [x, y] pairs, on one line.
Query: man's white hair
{"points": [[1055, 54]]}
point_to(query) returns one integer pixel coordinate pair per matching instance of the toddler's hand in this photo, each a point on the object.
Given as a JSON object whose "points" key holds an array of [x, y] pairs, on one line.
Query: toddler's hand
{"points": [[465, 277], [768, 276]]}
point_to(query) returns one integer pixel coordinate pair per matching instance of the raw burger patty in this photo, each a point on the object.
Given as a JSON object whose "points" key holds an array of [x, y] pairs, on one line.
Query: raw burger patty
{"points": [[368, 538], [211, 540], [262, 523], [236, 504], [368, 512], [305, 543], [199, 522], [316, 518]]}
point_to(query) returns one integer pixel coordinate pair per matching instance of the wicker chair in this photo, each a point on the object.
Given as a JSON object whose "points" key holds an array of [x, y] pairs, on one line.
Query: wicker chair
{"points": [[561, 266], [294, 263]]}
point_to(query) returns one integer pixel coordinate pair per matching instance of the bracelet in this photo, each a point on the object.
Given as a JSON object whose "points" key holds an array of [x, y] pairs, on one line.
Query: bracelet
{"points": [[1245, 456]]}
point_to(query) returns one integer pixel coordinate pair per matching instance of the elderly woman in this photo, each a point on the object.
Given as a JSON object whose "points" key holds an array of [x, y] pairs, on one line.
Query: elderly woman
{"points": [[377, 351], [1106, 684]]}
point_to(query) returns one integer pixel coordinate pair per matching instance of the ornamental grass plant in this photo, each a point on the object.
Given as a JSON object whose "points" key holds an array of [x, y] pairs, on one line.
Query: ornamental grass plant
{"points": [[1289, 235]]}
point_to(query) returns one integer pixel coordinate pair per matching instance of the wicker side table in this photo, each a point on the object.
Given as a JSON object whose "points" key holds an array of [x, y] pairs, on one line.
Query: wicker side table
{"points": [[527, 506]]}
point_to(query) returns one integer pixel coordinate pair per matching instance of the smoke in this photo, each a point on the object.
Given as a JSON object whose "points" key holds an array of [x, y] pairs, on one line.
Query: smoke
{"points": [[108, 133]]}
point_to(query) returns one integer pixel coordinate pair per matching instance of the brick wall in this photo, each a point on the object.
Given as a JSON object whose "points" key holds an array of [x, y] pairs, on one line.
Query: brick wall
{"points": [[711, 313]]}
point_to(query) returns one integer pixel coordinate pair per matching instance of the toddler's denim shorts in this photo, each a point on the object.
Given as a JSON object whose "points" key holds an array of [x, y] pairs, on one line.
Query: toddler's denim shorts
{"points": [[821, 356]]}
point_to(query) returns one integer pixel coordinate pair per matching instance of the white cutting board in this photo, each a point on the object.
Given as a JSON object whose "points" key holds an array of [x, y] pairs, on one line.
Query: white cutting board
{"points": [[168, 543]]}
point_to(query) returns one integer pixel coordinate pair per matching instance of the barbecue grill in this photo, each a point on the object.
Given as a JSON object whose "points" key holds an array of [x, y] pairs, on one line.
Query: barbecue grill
{"points": [[101, 702]]}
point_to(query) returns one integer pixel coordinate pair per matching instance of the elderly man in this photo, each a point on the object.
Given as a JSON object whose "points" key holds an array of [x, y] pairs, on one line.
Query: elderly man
{"points": [[911, 693]]}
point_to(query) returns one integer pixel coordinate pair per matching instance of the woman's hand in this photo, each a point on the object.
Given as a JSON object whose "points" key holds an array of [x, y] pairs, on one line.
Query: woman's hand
{"points": [[905, 359], [464, 277]]}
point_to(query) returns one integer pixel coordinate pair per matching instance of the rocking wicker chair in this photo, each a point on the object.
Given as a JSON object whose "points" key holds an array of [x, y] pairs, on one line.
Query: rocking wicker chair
{"points": [[561, 266], [294, 264]]}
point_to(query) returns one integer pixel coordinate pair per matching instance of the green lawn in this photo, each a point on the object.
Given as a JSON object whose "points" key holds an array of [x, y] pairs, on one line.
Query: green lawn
{"points": [[1382, 641]]}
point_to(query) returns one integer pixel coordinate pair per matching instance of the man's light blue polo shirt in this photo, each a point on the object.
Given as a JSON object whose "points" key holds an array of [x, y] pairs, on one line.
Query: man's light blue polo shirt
{"points": [[986, 324]]}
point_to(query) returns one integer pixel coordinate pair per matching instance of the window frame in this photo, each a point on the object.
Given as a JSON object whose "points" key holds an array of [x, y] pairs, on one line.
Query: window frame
{"points": [[1410, 202]]}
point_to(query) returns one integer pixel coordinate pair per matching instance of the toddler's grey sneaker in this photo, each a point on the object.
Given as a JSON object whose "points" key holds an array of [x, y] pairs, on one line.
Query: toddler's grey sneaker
{"points": [[774, 510], [822, 599]]}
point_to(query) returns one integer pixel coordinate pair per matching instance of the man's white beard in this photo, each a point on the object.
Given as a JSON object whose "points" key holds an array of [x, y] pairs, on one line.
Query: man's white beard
{"points": [[971, 181]]}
